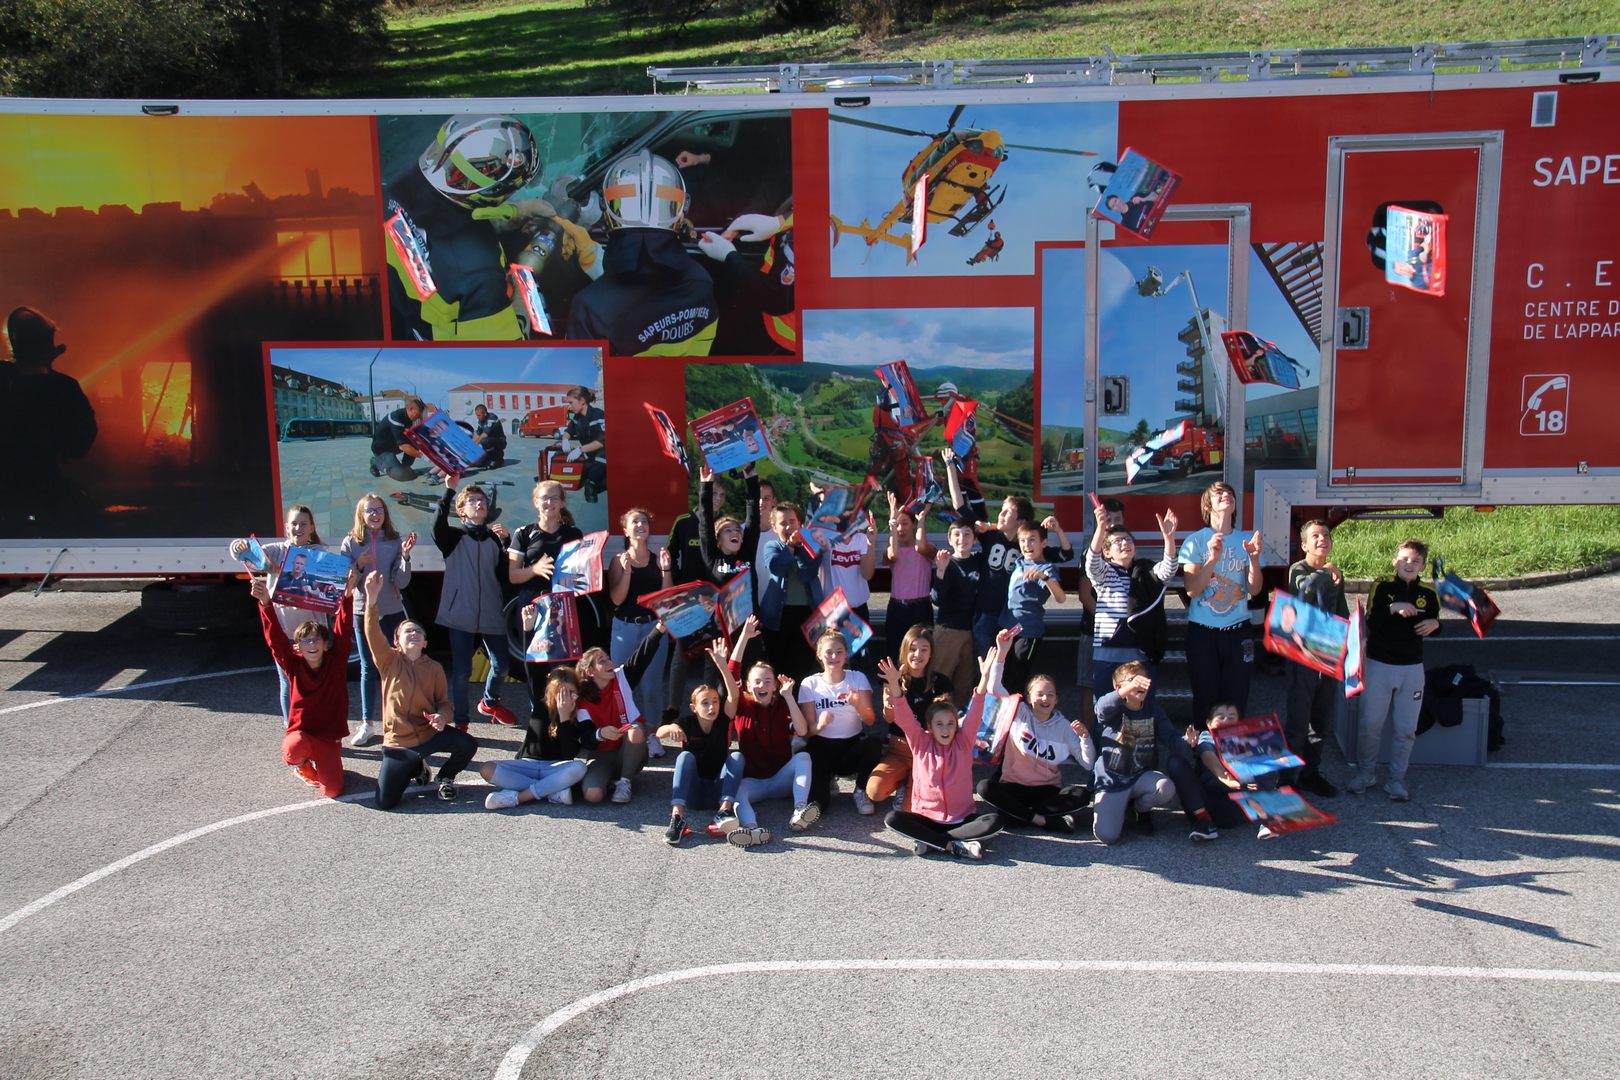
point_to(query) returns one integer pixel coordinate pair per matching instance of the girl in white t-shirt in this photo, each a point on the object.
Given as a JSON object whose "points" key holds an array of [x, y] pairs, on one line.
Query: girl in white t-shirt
{"points": [[840, 706]]}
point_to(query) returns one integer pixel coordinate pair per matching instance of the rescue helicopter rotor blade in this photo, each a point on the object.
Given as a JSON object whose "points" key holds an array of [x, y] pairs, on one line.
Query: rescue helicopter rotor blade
{"points": [[956, 114], [880, 127], [1050, 149]]}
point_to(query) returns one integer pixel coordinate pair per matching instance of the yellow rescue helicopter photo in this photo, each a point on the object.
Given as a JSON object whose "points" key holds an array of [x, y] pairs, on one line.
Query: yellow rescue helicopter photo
{"points": [[959, 163]]}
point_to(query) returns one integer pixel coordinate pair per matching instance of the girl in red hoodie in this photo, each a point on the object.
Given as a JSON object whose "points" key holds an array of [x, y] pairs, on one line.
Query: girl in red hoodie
{"points": [[943, 815], [316, 664]]}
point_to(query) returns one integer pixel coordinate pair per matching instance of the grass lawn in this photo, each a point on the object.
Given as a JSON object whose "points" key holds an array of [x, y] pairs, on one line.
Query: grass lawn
{"points": [[561, 47], [1507, 542]]}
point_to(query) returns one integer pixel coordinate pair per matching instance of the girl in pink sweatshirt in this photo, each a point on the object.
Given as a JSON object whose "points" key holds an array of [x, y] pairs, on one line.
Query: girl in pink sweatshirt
{"points": [[943, 815]]}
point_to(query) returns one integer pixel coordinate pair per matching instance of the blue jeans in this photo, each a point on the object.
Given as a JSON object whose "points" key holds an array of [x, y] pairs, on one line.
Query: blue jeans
{"points": [[286, 695], [463, 643], [652, 691], [985, 625], [794, 778], [701, 792], [539, 778], [370, 685]]}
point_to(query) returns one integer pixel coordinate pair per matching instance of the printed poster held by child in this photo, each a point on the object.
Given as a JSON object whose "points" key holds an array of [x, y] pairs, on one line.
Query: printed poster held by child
{"points": [[735, 602], [1137, 194], [1282, 811], [1256, 360], [556, 634], [1253, 747], [311, 578], [835, 613], [685, 609], [1306, 634], [731, 436], [1470, 601], [1415, 250], [669, 440], [991, 715], [579, 565], [444, 443]]}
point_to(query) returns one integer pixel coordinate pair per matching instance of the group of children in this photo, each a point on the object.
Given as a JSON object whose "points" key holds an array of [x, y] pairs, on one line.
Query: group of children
{"points": [[770, 718]]}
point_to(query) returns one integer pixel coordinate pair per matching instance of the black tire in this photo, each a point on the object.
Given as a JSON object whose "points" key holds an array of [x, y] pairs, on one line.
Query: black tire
{"points": [[186, 606]]}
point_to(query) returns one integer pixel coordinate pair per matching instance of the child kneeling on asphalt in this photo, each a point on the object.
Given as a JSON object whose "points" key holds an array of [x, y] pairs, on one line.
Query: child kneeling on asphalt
{"points": [[943, 816], [1131, 735]]}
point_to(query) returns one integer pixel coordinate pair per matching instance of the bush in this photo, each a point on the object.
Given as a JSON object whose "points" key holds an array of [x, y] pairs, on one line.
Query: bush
{"points": [[879, 18], [182, 48]]}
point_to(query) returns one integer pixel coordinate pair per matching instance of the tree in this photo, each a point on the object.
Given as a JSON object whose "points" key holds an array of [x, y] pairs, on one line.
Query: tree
{"points": [[1140, 434], [157, 49]]}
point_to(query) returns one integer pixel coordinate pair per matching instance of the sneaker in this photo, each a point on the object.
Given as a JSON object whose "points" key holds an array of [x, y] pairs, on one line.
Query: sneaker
{"points": [[863, 805], [1205, 830], [497, 713], [746, 838], [966, 849], [424, 775], [368, 735], [804, 817], [565, 797], [1397, 791], [677, 831], [306, 773], [1265, 833], [654, 747], [447, 791], [1360, 782], [500, 800], [723, 824], [621, 790], [899, 800], [1316, 784], [1144, 822], [462, 727], [1062, 823], [920, 848]]}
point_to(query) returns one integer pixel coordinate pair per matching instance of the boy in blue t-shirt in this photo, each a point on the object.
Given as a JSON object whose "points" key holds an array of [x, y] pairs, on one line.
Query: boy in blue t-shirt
{"points": [[1031, 579]]}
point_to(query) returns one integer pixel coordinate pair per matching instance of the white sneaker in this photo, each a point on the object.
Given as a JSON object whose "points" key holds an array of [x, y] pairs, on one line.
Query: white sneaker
{"points": [[1361, 781], [621, 790], [565, 797], [920, 848], [804, 817], [746, 838], [863, 805], [1397, 791], [967, 849], [654, 747], [1265, 833], [500, 800], [368, 735]]}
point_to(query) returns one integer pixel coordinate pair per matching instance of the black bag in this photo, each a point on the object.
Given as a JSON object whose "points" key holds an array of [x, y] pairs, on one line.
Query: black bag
{"points": [[1445, 689]]}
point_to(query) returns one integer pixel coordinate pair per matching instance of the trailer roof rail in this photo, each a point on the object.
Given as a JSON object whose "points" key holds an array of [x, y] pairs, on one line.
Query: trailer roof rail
{"points": [[1111, 69]]}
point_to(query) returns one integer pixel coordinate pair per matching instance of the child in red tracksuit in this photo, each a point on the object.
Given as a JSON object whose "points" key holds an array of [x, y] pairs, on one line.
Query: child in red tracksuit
{"points": [[316, 663]]}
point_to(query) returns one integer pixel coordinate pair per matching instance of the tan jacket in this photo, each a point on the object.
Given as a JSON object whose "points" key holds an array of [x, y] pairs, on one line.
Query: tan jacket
{"points": [[408, 689]]}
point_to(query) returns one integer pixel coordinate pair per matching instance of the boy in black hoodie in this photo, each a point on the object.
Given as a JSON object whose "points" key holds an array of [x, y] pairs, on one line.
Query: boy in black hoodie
{"points": [[1401, 613]]}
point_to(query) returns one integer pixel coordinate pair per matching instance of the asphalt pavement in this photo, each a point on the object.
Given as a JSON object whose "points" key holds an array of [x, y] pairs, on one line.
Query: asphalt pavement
{"points": [[173, 904]]}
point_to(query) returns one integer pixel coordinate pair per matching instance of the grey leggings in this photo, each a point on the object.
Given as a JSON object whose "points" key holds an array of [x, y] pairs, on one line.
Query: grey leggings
{"points": [[1390, 690], [1151, 789], [623, 762]]}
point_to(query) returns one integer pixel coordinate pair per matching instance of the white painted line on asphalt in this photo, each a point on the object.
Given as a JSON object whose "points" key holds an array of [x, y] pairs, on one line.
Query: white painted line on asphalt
{"points": [[42, 702], [511, 1067], [29, 910], [1553, 682], [1560, 765], [1455, 639]]}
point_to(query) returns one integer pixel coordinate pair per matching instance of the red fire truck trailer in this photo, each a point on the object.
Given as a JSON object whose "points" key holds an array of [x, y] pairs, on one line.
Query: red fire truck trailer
{"points": [[1428, 237]]}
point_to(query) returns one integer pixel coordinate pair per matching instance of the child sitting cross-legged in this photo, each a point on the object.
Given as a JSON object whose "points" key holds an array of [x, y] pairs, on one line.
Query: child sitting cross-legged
{"points": [[764, 720], [706, 772], [1026, 789], [943, 816], [1132, 734]]}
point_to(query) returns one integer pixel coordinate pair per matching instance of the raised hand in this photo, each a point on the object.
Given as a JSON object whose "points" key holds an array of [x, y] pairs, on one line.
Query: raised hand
{"points": [[374, 585], [406, 545], [1167, 524], [1252, 546]]}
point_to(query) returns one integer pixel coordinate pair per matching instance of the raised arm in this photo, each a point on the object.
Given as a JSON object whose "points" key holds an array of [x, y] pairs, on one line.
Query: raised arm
{"points": [[445, 535]]}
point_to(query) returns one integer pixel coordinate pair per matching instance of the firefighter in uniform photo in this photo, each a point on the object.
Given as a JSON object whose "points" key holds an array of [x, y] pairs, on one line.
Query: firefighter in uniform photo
{"points": [[653, 299], [761, 319], [444, 218], [490, 435], [585, 435]]}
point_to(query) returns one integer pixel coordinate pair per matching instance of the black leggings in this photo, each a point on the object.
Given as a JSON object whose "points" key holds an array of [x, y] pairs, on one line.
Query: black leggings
{"points": [[1019, 803], [938, 835], [401, 765], [854, 756]]}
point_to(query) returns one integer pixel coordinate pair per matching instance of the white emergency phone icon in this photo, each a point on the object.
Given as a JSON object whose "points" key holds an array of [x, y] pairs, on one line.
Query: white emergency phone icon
{"points": [[1545, 405]]}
